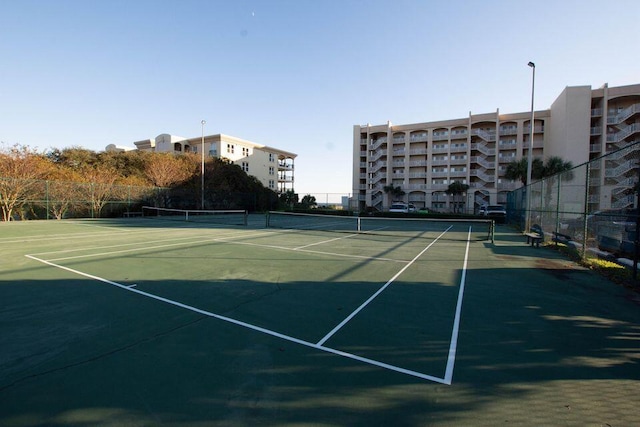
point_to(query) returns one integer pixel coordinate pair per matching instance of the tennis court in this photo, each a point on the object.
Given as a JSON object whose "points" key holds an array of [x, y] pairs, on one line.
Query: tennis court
{"points": [[164, 321]]}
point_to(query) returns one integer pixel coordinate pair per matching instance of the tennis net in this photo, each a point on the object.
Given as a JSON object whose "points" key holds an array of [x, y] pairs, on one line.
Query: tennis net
{"points": [[456, 229], [228, 217]]}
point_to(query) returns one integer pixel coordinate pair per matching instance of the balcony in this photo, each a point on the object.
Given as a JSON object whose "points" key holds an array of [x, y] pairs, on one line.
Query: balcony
{"points": [[421, 137], [417, 187], [418, 163], [508, 131], [459, 134], [458, 148], [536, 129], [418, 152]]}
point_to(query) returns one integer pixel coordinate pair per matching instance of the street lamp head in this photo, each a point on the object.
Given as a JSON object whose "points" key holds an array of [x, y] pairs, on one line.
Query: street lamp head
{"points": [[204, 121], [531, 64]]}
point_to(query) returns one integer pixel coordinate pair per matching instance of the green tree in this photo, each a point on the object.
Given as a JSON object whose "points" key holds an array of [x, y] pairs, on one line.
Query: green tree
{"points": [[288, 198], [517, 170], [309, 202], [555, 165], [75, 158], [457, 188], [552, 167], [394, 191]]}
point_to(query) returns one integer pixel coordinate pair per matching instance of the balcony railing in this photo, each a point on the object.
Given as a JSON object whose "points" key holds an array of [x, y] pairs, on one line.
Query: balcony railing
{"points": [[419, 138], [624, 114]]}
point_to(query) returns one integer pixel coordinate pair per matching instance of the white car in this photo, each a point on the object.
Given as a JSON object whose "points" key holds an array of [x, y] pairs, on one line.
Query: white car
{"points": [[496, 212], [402, 208]]}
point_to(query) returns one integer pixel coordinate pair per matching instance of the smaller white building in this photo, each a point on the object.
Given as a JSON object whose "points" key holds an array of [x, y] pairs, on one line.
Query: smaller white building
{"points": [[274, 168]]}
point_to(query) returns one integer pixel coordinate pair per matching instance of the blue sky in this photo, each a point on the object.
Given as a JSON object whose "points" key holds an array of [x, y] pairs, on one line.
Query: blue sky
{"points": [[295, 74]]}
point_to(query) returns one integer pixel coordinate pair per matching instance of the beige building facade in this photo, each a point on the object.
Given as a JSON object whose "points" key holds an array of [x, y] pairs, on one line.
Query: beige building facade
{"points": [[424, 158], [273, 167]]}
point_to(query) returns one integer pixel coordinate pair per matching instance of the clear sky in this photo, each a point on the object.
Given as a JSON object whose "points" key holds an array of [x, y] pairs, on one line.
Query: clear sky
{"points": [[294, 74]]}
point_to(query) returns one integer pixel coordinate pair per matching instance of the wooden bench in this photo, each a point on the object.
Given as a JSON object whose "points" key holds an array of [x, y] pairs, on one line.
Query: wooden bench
{"points": [[535, 235]]}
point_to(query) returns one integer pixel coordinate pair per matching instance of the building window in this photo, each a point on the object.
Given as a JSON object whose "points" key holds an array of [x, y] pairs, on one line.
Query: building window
{"points": [[272, 184], [272, 158], [245, 166], [245, 151], [272, 170], [230, 148]]}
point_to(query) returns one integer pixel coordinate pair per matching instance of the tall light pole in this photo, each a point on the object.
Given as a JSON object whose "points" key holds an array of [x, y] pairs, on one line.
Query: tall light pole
{"points": [[203, 122], [530, 153]]}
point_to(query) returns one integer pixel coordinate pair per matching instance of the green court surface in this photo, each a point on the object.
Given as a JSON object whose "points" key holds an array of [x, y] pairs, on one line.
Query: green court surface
{"points": [[148, 322]]}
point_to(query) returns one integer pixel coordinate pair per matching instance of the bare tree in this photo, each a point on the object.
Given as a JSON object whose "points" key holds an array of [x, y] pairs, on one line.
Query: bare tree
{"points": [[167, 169], [21, 172]]}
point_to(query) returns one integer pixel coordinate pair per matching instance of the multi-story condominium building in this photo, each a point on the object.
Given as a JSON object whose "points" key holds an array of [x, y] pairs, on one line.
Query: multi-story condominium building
{"points": [[424, 158], [273, 167]]}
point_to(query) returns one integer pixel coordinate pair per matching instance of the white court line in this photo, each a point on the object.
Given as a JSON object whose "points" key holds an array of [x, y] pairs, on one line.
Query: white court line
{"points": [[248, 325], [223, 239], [324, 241], [448, 376], [372, 297], [334, 254], [145, 248], [97, 226]]}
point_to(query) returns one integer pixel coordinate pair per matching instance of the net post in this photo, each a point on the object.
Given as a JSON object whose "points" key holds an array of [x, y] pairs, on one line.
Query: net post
{"points": [[492, 231], [359, 229]]}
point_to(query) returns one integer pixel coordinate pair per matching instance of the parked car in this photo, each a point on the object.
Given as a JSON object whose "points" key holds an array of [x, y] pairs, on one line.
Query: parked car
{"points": [[496, 212], [402, 208]]}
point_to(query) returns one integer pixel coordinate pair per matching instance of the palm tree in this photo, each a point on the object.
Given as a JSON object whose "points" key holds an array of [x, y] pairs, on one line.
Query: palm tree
{"points": [[456, 188], [517, 170], [553, 167], [393, 190]]}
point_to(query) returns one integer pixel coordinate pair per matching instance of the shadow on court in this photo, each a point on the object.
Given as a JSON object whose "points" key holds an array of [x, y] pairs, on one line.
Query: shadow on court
{"points": [[540, 343]]}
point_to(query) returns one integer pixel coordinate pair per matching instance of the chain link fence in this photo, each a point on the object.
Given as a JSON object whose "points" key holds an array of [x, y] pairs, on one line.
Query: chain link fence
{"points": [[22, 199], [592, 208]]}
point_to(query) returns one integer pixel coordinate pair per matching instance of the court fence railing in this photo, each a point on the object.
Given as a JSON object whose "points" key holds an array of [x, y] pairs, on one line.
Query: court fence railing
{"points": [[591, 208]]}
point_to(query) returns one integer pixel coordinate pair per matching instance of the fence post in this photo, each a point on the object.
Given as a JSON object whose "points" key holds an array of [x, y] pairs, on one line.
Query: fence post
{"points": [[583, 251], [46, 191], [92, 200], [558, 207]]}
